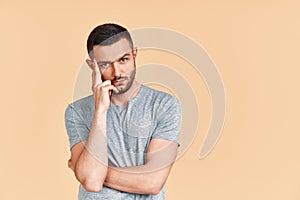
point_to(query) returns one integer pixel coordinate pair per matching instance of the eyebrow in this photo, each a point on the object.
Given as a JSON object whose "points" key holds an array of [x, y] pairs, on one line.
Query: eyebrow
{"points": [[102, 62]]}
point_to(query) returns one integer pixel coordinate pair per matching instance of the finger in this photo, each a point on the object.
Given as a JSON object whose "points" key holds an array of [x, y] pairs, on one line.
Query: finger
{"points": [[107, 82], [98, 86], [115, 89], [111, 87], [108, 87], [98, 78]]}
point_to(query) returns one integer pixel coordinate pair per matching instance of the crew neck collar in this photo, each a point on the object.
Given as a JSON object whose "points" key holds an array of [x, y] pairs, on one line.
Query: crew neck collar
{"points": [[130, 101]]}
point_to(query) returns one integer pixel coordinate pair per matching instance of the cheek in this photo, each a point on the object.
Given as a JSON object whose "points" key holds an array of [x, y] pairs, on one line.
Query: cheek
{"points": [[128, 67], [105, 76]]}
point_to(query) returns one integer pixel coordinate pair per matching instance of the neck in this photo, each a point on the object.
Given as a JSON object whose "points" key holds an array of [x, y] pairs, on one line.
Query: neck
{"points": [[122, 99]]}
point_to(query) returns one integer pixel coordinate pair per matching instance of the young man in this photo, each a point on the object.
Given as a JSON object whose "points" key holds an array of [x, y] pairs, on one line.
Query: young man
{"points": [[123, 138]]}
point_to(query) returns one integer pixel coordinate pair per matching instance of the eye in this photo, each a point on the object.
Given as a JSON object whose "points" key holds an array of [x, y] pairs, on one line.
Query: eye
{"points": [[104, 65], [123, 60]]}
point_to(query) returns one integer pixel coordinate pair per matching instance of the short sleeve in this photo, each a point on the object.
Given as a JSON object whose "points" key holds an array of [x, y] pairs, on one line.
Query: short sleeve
{"points": [[76, 127], [169, 119]]}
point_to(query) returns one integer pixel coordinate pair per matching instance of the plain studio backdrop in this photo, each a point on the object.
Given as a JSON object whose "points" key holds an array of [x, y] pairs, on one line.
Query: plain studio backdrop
{"points": [[254, 44]]}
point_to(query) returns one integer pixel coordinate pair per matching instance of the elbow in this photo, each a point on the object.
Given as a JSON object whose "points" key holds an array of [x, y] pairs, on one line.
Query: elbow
{"points": [[155, 186], [92, 186], [92, 182], [89, 184], [155, 191]]}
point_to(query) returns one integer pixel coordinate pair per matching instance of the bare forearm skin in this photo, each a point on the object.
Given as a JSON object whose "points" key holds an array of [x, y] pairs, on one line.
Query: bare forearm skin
{"points": [[129, 179], [145, 179], [91, 167]]}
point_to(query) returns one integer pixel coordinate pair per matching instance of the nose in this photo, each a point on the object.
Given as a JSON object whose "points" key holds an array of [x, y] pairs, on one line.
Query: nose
{"points": [[116, 69]]}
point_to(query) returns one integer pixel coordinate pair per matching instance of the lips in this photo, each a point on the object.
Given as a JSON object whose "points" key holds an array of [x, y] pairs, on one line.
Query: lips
{"points": [[119, 81]]}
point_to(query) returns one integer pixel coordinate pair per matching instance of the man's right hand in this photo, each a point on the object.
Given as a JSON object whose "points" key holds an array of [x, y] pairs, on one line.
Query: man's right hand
{"points": [[101, 90]]}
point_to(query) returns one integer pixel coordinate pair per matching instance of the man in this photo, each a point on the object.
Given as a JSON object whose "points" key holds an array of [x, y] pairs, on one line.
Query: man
{"points": [[123, 138]]}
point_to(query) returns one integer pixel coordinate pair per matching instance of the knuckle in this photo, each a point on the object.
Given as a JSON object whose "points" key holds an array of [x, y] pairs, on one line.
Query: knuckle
{"points": [[107, 82], [101, 88]]}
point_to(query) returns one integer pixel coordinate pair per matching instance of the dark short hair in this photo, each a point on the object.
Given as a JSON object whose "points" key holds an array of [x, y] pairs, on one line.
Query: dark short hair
{"points": [[107, 34]]}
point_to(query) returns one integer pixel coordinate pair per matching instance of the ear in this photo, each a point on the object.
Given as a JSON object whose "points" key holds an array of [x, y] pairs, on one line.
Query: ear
{"points": [[90, 63], [134, 52]]}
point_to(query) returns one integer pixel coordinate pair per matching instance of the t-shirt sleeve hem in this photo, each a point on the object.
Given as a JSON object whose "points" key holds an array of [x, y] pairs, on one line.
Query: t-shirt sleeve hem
{"points": [[74, 142], [167, 138]]}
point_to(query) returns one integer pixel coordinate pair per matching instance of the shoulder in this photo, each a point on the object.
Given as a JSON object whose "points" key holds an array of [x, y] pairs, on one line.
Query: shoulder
{"points": [[159, 97], [82, 105]]}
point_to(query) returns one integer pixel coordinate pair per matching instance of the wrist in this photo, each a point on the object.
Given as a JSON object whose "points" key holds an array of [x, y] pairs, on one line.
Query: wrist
{"points": [[101, 109], [100, 113], [100, 119]]}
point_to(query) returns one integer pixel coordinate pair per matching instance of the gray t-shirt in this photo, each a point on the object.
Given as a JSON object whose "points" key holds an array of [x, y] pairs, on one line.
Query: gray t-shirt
{"points": [[150, 114]]}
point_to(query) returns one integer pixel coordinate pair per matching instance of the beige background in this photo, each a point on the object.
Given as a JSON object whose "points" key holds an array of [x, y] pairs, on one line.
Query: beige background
{"points": [[255, 45]]}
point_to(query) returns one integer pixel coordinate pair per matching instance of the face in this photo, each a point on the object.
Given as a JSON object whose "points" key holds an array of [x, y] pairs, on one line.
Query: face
{"points": [[117, 63]]}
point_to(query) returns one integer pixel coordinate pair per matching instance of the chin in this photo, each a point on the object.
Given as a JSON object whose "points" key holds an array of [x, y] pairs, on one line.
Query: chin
{"points": [[122, 90]]}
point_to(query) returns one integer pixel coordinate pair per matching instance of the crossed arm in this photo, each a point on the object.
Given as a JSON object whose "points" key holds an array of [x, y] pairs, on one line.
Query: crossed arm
{"points": [[92, 172], [148, 178], [89, 159]]}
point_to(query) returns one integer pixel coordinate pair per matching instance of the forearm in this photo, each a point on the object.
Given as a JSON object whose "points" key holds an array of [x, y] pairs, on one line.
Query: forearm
{"points": [[138, 179], [148, 178], [91, 166]]}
